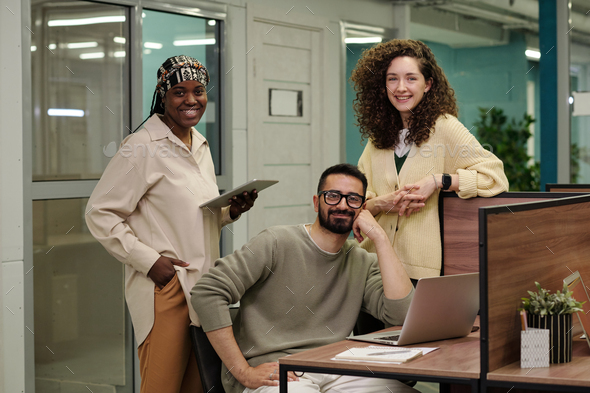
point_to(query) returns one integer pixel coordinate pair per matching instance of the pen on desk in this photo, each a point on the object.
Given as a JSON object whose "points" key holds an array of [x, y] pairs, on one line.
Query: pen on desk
{"points": [[386, 353], [523, 320]]}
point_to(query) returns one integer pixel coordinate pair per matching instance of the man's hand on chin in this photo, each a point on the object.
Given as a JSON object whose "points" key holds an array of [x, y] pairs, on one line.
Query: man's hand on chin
{"points": [[396, 283], [366, 223]]}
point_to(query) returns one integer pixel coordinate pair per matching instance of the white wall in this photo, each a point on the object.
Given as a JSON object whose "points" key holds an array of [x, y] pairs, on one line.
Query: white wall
{"points": [[12, 328]]}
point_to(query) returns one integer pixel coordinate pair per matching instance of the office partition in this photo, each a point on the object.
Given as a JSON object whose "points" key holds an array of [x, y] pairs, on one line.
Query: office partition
{"points": [[459, 226], [553, 187], [519, 244]]}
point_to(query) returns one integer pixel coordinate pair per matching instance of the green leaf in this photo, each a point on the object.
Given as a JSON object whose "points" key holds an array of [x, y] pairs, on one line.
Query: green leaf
{"points": [[544, 302]]}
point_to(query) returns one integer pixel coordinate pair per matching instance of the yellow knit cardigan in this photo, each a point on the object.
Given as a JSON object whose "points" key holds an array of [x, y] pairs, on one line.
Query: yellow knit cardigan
{"points": [[450, 149]]}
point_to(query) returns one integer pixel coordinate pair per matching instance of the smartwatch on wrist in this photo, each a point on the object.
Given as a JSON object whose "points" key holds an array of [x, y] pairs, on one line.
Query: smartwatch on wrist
{"points": [[446, 181]]}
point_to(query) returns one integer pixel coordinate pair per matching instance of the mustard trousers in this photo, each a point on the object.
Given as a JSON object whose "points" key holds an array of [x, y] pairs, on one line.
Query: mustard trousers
{"points": [[166, 359]]}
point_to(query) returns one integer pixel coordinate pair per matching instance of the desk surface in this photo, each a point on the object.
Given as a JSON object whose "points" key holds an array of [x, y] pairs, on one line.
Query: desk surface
{"points": [[455, 358], [574, 373]]}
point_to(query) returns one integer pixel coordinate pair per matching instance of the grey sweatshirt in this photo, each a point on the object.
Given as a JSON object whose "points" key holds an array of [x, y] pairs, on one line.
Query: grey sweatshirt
{"points": [[293, 295]]}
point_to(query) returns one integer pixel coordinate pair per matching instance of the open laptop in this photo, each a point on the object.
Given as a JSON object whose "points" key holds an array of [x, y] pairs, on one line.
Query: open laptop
{"points": [[442, 307], [580, 293]]}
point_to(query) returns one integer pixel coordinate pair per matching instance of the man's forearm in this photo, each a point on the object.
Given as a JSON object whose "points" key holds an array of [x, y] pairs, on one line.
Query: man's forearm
{"points": [[396, 283], [227, 348], [224, 342]]}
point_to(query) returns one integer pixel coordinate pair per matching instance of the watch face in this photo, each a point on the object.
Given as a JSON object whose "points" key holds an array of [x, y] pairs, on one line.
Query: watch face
{"points": [[446, 181]]}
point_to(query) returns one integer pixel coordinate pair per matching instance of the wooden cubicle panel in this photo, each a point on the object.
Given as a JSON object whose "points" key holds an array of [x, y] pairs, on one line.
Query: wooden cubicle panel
{"points": [[585, 188], [459, 226], [523, 243]]}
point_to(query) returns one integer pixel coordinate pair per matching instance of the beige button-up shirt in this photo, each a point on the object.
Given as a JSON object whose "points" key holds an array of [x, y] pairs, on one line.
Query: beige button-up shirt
{"points": [[146, 204]]}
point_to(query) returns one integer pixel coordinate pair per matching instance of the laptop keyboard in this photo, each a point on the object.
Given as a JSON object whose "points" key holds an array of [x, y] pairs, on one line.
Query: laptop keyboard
{"points": [[390, 338]]}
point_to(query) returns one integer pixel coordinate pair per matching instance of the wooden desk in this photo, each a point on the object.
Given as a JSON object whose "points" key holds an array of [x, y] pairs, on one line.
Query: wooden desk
{"points": [[557, 376], [457, 361]]}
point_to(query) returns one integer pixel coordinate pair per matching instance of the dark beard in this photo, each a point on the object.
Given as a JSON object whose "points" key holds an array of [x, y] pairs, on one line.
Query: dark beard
{"points": [[336, 225]]}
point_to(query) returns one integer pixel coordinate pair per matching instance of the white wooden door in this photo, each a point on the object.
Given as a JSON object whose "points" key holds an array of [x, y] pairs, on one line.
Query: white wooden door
{"points": [[285, 55]]}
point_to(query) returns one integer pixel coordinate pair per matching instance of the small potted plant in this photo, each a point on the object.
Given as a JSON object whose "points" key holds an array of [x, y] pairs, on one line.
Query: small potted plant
{"points": [[553, 311]]}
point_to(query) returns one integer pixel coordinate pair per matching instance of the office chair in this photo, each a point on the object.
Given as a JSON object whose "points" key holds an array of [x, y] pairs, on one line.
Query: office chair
{"points": [[366, 323], [208, 361]]}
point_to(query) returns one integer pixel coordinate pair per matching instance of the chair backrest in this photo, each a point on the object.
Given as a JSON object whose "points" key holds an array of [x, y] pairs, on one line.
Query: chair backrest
{"points": [[366, 323], [208, 361]]}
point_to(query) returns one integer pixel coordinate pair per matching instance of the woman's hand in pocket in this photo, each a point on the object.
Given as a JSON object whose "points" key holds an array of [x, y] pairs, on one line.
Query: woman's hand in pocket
{"points": [[163, 270]]}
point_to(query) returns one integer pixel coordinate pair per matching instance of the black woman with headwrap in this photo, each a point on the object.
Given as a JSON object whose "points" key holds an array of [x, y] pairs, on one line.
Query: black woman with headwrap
{"points": [[145, 212]]}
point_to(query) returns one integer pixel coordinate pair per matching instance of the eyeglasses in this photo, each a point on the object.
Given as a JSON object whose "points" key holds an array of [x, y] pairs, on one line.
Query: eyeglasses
{"points": [[354, 201]]}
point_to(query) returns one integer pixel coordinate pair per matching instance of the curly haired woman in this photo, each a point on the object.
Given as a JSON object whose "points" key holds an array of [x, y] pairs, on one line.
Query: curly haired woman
{"points": [[407, 110]]}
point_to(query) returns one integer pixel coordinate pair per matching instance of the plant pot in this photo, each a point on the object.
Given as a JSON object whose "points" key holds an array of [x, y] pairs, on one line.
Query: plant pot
{"points": [[560, 336]]}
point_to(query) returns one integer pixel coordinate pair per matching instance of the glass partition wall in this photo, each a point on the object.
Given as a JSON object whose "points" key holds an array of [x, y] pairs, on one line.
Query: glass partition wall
{"points": [[80, 87], [80, 337], [580, 111], [579, 99], [81, 111], [80, 102]]}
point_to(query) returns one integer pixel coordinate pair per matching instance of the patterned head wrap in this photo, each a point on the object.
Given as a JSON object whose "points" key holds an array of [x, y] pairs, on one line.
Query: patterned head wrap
{"points": [[178, 69]]}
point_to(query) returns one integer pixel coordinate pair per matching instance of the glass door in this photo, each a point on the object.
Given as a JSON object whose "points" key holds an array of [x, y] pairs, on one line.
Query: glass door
{"points": [[80, 90]]}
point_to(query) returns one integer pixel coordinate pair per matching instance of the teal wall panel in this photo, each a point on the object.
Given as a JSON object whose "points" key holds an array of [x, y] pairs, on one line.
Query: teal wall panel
{"points": [[486, 77], [354, 148], [548, 74]]}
